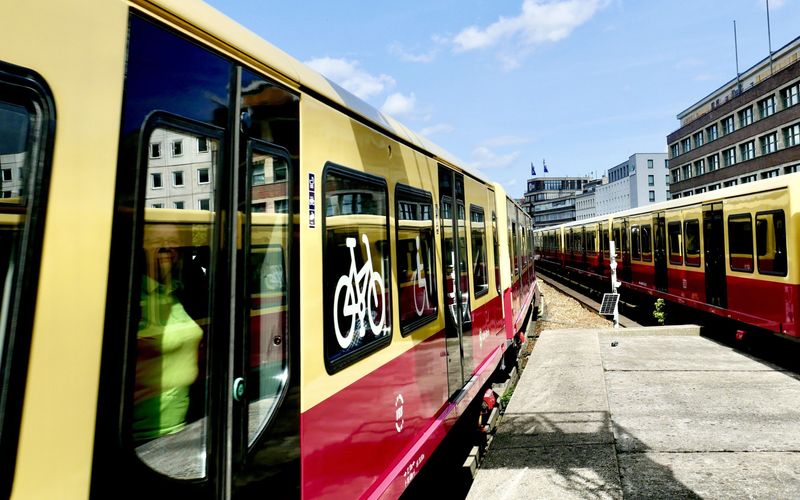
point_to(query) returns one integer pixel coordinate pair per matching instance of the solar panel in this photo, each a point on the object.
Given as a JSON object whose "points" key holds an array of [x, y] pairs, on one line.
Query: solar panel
{"points": [[610, 301]]}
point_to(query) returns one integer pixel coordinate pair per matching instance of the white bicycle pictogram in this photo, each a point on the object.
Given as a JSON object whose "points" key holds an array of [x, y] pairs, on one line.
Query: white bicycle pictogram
{"points": [[420, 283], [363, 293]]}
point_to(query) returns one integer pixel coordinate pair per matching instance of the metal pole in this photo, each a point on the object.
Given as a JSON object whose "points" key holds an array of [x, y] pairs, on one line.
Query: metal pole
{"points": [[769, 39], [612, 252], [736, 48]]}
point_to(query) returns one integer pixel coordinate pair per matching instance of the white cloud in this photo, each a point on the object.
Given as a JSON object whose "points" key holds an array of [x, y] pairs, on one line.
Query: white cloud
{"points": [[404, 55], [484, 158], [349, 75], [439, 128], [398, 104], [539, 22]]}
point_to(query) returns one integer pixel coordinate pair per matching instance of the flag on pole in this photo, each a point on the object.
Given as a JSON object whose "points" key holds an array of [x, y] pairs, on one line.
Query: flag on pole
{"points": [[533, 169], [544, 165]]}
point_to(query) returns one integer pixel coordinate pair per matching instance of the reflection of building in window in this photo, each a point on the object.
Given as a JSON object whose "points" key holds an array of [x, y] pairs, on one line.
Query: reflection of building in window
{"points": [[191, 170], [269, 183], [12, 184]]}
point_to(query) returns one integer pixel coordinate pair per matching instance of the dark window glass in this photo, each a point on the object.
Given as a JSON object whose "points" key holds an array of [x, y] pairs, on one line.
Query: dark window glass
{"points": [[170, 401], [177, 147], [496, 254], [177, 178], [157, 181], [692, 243], [203, 176], [204, 204], [477, 226], [771, 243], [202, 145], [416, 276], [740, 242], [635, 250], [617, 242], [591, 239], [647, 243], [155, 150], [674, 237], [267, 321], [24, 131], [356, 266]]}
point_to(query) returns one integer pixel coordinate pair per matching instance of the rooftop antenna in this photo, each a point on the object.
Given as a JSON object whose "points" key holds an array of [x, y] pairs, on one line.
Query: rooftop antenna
{"points": [[736, 48], [769, 40]]}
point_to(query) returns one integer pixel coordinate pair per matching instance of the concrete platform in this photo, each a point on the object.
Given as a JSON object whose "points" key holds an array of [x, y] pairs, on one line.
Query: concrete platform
{"points": [[645, 413]]}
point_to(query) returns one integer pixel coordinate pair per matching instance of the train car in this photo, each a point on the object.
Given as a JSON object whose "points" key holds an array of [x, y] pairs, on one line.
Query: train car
{"points": [[223, 275], [728, 253]]}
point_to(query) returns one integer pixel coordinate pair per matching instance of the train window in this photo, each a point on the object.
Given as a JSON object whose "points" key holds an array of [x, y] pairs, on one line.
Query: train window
{"points": [[617, 241], [605, 242], [173, 315], [266, 324], [477, 228], [635, 250], [26, 131], [496, 254], [356, 266], [674, 237], [691, 231], [591, 241], [740, 242], [771, 242], [647, 243], [416, 276]]}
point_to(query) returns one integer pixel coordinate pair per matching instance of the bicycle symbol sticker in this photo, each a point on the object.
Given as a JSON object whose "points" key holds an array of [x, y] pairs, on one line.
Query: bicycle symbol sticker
{"points": [[363, 295]]}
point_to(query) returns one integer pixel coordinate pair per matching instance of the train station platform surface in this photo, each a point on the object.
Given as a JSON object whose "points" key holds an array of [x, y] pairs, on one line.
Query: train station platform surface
{"points": [[645, 413]]}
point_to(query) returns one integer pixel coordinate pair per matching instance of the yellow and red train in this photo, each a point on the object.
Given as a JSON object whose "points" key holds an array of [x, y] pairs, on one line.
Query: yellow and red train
{"points": [[223, 275], [729, 253]]}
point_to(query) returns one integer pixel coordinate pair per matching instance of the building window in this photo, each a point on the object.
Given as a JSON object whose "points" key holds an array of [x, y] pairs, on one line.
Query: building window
{"points": [[6, 174], [652, 196], [769, 143], [698, 141], [713, 162], [766, 107], [791, 95], [177, 147], [748, 150], [204, 204], [675, 150], [649, 163], [686, 145], [770, 174], [676, 175], [202, 145], [177, 178], [155, 150], [712, 133], [156, 180], [749, 178], [727, 125], [157, 205], [178, 205], [791, 135], [730, 156], [651, 180], [699, 168], [202, 176], [746, 116], [730, 183], [687, 172], [667, 179]]}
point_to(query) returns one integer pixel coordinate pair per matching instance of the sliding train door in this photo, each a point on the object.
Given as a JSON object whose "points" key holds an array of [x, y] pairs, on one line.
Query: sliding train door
{"points": [[660, 252], [714, 246], [458, 319]]}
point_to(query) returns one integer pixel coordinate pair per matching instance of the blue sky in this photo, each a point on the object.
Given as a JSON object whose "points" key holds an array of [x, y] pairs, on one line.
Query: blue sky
{"points": [[581, 83]]}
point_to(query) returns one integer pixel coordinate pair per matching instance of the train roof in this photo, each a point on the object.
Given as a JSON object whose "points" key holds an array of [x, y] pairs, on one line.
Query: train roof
{"points": [[702, 198], [203, 18]]}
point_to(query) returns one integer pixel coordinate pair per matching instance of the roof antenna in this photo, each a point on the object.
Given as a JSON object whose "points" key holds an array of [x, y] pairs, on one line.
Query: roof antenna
{"points": [[769, 40], [736, 48]]}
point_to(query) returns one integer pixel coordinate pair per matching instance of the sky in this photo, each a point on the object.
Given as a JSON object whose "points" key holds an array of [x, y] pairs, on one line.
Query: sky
{"points": [[580, 84]]}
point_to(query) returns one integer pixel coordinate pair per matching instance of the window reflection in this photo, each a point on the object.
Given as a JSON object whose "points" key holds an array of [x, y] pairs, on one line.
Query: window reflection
{"points": [[267, 262], [415, 272], [170, 402], [356, 263]]}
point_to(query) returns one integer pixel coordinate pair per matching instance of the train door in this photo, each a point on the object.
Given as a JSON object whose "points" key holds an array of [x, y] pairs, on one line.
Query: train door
{"points": [[714, 246], [625, 251], [458, 319], [602, 247], [200, 383], [660, 252]]}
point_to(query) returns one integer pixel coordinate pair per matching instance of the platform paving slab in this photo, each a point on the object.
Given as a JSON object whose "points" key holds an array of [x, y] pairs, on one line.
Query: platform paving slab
{"points": [[658, 415]]}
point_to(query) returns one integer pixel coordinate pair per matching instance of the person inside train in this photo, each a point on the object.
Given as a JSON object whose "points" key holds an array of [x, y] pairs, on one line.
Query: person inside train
{"points": [[167, 344]]}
